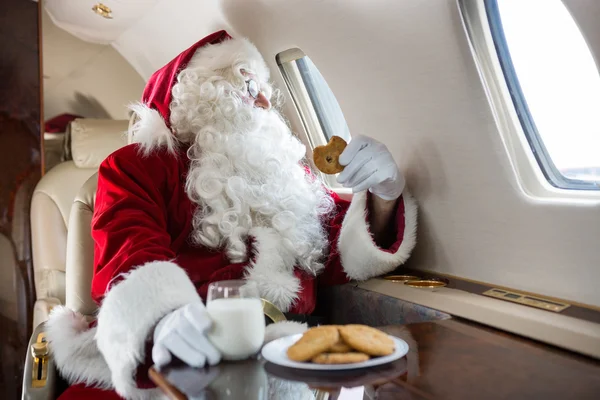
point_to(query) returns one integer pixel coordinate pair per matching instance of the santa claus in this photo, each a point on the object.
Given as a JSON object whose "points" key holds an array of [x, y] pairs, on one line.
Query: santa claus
{"points": [[216, 187]]}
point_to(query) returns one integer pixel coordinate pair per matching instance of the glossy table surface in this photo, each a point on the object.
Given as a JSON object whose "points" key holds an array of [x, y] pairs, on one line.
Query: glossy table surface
{"points": [[448, 359]]}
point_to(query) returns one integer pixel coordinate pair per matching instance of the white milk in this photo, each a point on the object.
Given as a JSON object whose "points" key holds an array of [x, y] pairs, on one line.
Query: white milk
{"points": [[238, 329]]}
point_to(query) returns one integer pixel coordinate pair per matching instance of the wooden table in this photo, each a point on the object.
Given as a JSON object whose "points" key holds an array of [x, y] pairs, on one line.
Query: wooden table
{"points": [[448, 359]]}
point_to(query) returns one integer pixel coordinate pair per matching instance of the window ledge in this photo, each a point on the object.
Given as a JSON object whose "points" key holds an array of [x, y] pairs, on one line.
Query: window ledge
{"points": [[555, 329]]}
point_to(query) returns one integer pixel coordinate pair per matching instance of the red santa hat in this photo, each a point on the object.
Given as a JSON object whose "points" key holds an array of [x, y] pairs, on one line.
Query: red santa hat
{"points": [[216, 51]]}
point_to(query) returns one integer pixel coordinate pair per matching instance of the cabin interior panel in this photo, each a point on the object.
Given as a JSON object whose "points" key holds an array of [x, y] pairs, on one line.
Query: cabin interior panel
{"points": [[20, 169]]}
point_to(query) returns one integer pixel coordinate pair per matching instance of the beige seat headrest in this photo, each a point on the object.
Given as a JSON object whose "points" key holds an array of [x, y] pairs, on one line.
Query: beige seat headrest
{"points": [[92, 140]]}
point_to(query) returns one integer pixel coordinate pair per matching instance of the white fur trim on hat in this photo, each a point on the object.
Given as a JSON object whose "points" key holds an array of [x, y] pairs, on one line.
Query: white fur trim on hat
{"points": [[229, 52], [150, 130], [361, 258]]}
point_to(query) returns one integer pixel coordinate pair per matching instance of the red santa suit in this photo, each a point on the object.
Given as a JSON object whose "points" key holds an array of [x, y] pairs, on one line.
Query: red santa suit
{"points": [[145, 264]]}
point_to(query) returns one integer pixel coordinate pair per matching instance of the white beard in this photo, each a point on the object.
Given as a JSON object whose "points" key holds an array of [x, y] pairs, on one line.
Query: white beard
{"points": [[245, 175]]}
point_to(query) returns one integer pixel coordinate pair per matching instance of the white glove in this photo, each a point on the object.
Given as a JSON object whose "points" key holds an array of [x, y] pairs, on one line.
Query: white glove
{"points": [[182, 334], [369, 165]]}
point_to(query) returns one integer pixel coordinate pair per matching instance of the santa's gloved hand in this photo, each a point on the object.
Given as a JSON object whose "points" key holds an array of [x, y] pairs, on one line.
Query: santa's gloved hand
{"points": [[369, 165], [182, 334]]}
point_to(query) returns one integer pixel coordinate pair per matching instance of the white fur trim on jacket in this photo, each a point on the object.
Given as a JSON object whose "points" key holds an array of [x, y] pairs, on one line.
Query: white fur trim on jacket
{"points": [[150, 130], [130, 311], [283, 328], [74, 350], [361, 258], [273, 269]]}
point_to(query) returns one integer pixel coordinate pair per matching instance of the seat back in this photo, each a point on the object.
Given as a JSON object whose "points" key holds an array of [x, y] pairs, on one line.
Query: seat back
{"points": [[92, 141], [50, 208], [80, 250]]}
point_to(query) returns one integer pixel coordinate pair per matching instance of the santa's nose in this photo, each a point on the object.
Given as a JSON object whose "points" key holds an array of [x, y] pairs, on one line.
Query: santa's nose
{"points": [[262, 101]]}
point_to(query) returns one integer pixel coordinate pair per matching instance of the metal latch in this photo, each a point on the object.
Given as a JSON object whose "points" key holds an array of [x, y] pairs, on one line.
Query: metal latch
{"points": [[39, 351]]}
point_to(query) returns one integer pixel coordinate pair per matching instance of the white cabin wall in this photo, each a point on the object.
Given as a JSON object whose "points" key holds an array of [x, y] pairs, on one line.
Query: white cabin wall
{"points": [[403, 73], [166, 30], [82, 78], [586, 13]]}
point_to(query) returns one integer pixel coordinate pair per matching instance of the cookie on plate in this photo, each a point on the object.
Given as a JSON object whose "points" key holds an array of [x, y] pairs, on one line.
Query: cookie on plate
{"points": [[339, 347], [313, 342], [367, 340], [340, 358], [327, 158]]}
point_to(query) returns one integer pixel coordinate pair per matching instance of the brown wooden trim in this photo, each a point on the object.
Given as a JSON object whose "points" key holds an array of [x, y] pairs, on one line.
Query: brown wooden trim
{"points": [[41, 77], [497, 337], [165, 386], [414, 391], [576, 310]]}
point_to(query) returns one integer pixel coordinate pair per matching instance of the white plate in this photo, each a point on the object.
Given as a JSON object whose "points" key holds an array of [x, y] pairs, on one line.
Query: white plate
{"points": [[275, 352]]}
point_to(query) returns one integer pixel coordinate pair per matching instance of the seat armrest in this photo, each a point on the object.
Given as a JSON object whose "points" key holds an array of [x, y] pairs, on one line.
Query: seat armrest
{"points": [[42, 308], [39, 375]]}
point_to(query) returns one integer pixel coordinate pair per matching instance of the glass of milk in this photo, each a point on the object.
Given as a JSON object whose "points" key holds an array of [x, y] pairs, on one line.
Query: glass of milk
{"points": [[235, 308]]}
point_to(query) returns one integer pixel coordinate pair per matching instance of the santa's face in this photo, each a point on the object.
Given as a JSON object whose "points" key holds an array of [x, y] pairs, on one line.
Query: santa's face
{"points": [[246, 168], [254, 96]]}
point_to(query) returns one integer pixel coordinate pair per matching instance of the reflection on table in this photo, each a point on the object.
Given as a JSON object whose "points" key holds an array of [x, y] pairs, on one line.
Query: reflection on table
{"points": [[449, 359], [256, 379]]}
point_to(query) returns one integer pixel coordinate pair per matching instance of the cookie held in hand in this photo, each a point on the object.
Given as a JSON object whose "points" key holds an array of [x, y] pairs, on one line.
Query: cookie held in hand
{"points": [[327, 158]]}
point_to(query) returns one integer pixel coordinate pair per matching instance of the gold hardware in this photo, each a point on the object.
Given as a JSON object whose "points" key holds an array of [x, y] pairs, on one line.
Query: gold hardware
{"points": [[272, 312], [102, 10], [401, 278], [39, 351], [426, 284], [521, 298]]}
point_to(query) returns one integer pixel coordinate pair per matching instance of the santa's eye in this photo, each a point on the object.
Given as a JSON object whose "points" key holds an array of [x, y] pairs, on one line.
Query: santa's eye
{"points": [[252, 88]]}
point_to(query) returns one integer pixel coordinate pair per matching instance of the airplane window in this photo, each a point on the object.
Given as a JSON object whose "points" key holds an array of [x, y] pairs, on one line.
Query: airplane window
{"points": [[555, 87], [312, 96], [326, 106], [319, 110]]}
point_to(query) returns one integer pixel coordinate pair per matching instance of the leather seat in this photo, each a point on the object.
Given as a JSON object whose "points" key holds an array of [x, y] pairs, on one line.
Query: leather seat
{"points": [[91, 141], [80, 250]]}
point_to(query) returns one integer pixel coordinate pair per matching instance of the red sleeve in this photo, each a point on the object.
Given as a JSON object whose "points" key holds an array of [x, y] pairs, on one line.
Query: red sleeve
{"points": [[129, 225], [133, 245], [353, 253]]}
